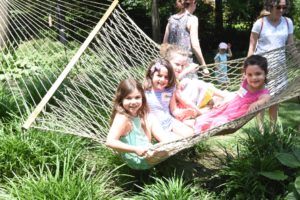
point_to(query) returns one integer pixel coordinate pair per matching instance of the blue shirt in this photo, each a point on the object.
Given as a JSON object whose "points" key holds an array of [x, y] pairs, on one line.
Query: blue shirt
{"points": [[159, 104]]}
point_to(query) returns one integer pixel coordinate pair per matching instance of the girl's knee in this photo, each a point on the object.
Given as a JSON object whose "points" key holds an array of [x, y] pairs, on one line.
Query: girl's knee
{"points": [[182, 129]]}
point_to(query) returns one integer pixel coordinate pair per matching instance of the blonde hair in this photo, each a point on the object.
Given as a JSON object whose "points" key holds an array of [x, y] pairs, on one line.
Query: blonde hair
{"points": [[263, 13], [169, 51]]}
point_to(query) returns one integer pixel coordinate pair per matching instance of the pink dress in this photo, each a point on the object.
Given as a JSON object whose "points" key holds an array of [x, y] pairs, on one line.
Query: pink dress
{"points": [[232, 110]]}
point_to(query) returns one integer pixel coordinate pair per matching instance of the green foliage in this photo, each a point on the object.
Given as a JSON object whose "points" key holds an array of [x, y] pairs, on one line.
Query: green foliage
{"points": [[18, 150], [263, 168], [296, 18], [36, 57], [8, 106], [240, 11], [172, 189], [136, 4], [68, 181]]}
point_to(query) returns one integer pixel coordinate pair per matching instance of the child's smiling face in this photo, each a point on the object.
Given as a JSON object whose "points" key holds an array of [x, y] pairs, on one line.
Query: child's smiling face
{"points": [[178, 62], [133, 102], [160, 79], [255, 77]]}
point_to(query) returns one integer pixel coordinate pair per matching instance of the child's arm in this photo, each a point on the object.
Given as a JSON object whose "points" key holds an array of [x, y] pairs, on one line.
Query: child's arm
{"points": [[216, 58], [261, 101], [120, 127], [177, 112], [229, 50], [191, 68], [186, 102]]}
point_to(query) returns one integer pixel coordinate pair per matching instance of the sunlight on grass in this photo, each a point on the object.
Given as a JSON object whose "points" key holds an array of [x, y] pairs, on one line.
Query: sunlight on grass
{"points": [[67, 182]]}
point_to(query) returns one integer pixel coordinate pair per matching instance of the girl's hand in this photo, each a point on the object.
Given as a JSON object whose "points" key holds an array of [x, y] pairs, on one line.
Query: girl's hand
{"points": [[141, 151], [253, 107], [228, 45], [182, 114], [193, 67], [205, 71]]}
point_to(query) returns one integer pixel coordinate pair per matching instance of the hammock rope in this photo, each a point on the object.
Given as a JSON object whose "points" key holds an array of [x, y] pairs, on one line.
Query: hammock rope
{"points": [[81, 101]]}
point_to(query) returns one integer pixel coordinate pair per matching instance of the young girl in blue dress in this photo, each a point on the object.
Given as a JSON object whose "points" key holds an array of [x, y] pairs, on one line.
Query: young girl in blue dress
{"points": [[160, 86], [132, 127], [224, 52]]}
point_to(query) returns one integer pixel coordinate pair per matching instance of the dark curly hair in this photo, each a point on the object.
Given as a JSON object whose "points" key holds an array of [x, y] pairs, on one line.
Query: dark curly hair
{"points": [[268, 4], [257, 60]]}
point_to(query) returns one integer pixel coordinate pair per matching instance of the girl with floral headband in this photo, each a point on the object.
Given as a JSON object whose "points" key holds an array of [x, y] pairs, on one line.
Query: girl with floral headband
{"points": [[160, 86]]}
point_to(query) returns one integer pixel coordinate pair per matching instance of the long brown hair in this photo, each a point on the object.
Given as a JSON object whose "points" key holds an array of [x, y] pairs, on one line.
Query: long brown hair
{"points": [[155, 67], [126, 87]]}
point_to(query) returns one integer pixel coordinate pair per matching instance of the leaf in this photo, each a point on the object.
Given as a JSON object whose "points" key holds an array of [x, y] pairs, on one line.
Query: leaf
{"points": [[297, 153], [290, 196], [276, 175], [297, 184], [288, 160]]}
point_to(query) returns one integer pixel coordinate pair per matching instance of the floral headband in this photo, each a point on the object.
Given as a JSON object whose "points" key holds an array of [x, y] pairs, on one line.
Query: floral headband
{"points": [[156, 67]]}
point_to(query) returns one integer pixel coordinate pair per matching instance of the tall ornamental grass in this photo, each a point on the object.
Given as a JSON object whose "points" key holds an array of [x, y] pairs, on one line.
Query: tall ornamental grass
{"points": [[18, 149], [173, 188], [69, 182]]}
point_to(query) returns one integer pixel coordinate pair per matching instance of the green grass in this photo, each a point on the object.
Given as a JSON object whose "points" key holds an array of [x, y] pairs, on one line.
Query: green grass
{"points": [[69, 181], [19, 150], [172, 189], [289, 113], [44, 164]]}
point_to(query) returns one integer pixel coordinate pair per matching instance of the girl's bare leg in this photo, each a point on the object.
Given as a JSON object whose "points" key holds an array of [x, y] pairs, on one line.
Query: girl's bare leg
{"points": [[181, 129]]}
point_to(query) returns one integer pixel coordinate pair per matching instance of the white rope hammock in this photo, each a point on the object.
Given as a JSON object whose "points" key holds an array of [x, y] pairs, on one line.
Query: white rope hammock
{"points": [[63, 72]]}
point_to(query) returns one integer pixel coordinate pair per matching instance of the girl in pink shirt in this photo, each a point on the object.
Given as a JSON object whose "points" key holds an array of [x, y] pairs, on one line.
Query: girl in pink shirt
{"points": [[252, 94]]}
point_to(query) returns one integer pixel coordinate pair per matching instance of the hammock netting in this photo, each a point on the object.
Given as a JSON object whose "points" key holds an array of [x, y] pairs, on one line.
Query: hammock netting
{"points": [[66, 61]]}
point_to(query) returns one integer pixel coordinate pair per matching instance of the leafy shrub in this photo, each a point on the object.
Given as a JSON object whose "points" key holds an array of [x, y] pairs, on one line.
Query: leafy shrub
{"points": [[257, 172]]}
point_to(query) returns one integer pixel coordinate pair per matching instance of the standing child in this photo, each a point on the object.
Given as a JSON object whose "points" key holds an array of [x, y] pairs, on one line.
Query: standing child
{"points": [[252, 94], [224, 52], [160, 88], [132, 127]]}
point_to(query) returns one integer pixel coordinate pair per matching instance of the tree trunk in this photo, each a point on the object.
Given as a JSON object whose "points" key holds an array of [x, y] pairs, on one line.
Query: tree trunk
{"points": [[219, 16], [156, 35], [3, 22]]}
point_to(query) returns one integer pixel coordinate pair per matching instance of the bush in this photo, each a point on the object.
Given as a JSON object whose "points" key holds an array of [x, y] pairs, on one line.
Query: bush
{"points": [[257, 171]]}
